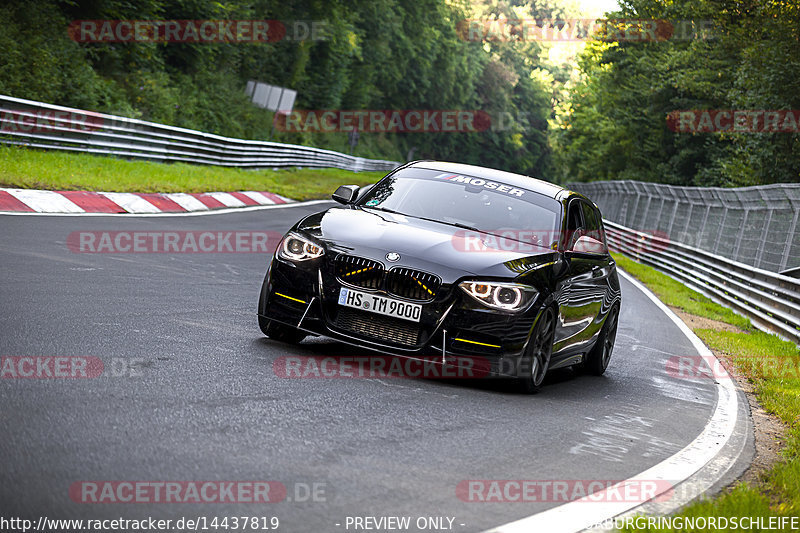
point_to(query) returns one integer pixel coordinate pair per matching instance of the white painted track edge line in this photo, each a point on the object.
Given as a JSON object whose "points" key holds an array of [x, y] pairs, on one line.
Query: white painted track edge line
{"points": [[587, 512], [224, 211]]}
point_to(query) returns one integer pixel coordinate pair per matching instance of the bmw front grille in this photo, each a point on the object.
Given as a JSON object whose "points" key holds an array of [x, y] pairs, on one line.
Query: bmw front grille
{"points": [[399, 281], [412, 284], [359, 272]]}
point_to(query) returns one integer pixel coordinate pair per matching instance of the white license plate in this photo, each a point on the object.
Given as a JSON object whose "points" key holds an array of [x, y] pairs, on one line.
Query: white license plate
{"points": [[379, 304]]}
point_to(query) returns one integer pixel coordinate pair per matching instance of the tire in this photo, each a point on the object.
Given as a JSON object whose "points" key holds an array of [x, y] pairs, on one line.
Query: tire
{"points": [[280, 332], [276, 330], [263, 324], [536, 360], [598, 357]]}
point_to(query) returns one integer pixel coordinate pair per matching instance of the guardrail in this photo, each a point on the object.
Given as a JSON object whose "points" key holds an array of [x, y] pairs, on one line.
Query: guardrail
{"points": [[758, 225], [770, 300], [47, 126]]}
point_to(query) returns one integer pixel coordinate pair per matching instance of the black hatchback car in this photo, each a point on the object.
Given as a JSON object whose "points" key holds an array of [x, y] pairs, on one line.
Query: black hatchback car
{"points": [[450, 261]]}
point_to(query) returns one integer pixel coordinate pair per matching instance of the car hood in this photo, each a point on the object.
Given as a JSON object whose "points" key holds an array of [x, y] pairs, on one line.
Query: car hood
{"points": [[446, 250]]}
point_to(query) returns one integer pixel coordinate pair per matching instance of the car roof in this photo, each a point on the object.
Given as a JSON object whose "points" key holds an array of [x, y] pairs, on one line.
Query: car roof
{"points": [[518, 180]]}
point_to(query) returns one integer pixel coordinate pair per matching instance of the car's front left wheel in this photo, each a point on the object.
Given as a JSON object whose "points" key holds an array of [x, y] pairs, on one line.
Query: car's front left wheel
{"points": [[280, 332], [598, 357], [536, 360]]}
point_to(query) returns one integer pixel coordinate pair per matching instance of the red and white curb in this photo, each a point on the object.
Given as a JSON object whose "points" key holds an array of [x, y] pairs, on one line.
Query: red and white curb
{"points": [[76, 202]]}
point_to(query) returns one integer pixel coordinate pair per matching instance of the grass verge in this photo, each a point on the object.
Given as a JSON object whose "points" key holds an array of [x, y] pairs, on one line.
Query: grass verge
{"points": [[34, 169], [772, 368]]}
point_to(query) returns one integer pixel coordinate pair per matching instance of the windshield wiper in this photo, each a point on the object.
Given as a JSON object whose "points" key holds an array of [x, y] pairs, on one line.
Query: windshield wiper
{"points": [[465, 226], [456, 224], [472, 228], [386, 210], [445, 222]]}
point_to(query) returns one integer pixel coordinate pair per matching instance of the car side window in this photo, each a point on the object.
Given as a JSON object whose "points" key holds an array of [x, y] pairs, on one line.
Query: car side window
{"points": [[590, 221], [595, 242], [575, 224], [602, 229]]}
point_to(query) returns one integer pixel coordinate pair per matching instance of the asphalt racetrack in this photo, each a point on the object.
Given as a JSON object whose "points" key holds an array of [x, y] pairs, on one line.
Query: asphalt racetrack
{"points": [[188, 393]]}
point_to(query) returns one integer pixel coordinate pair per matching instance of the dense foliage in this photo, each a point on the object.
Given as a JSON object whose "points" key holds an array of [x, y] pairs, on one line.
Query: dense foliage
{"points": [[615, 125], [377, 55], [608, 122]]}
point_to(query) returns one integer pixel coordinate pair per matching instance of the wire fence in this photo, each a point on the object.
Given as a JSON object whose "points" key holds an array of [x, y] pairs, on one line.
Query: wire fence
{"points": [[755, 226], [47, 126], [771, 301]]}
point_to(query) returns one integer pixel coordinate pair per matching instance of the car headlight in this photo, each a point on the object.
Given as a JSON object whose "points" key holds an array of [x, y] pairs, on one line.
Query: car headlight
{"points": [[499, 295], [297, 248]]}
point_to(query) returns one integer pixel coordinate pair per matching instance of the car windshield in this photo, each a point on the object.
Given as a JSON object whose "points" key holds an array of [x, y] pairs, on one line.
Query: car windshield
{"points": [[469, 202]]}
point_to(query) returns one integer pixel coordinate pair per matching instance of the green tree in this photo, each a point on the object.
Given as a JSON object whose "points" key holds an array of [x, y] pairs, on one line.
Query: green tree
{"points": [[616, 123]]}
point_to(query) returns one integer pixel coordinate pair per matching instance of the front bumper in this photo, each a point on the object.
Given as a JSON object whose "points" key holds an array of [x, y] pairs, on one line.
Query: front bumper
{"points": [[450, 328]]}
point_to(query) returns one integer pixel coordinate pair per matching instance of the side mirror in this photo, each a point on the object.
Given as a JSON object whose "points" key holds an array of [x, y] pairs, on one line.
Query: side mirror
{"points": [[588, 245], [346, 194]]}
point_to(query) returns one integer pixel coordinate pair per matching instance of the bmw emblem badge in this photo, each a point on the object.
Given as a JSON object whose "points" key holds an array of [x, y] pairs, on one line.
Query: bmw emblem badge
{"points": [[392, 257]]}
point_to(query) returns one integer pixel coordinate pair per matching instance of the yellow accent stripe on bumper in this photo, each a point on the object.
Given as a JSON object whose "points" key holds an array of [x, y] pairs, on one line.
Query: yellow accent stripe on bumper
{"points": [[290, 298], [479, 343]]}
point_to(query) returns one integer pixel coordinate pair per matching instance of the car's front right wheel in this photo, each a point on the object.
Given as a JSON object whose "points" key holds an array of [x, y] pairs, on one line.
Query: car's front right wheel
{"points": [[536, 360]]}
